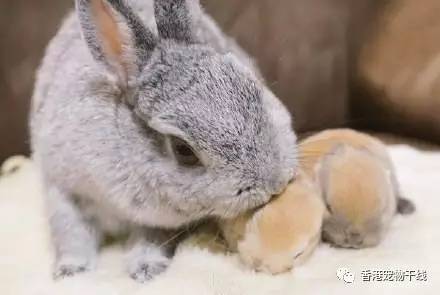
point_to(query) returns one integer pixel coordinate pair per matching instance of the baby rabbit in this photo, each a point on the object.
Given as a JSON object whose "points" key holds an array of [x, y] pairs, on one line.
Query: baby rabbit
{"points": [[146, 118], [346, 171], [358, 183], [283, 233]]}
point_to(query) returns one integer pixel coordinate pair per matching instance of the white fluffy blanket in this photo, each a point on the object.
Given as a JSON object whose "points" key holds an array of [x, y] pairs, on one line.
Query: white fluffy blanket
{"points": [[412, 244]]}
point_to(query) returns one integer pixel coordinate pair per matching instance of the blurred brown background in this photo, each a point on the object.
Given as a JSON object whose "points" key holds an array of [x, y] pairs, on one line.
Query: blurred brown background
{"points": [[26, 26], [333, 62]]}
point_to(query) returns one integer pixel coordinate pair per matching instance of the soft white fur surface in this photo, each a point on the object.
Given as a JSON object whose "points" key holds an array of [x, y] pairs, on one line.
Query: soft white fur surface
{"points": [[412, 243]]}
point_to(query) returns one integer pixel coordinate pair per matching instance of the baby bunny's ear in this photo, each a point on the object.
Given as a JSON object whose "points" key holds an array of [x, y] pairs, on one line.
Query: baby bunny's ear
{"points": [[175, 19], [116, 37]]}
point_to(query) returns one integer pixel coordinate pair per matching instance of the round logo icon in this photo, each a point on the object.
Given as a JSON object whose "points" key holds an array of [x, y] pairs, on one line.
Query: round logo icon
{"points": [[345, 275]]}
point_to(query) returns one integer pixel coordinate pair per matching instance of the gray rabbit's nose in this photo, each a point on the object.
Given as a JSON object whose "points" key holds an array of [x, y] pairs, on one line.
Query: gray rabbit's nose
{"points": [[276, 185], [268, 181], [244, 190], [277, 188]]}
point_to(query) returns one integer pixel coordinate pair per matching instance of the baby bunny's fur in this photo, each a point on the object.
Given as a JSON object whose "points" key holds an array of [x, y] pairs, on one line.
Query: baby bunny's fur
{"points": [[283, 233], [359, 186], [146, 116]]}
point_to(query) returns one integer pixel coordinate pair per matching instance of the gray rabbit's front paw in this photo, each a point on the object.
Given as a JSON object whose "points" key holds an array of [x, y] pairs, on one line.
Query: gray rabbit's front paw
{"points": [[146, 268], [70, 266], [150, 252]]}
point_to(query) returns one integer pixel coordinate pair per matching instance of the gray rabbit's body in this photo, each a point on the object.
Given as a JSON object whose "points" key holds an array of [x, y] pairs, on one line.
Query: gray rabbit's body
{"points": [[146, 128]]}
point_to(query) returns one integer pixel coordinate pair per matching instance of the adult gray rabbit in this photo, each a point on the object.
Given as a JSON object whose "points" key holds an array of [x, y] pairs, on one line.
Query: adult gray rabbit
{"points": [[146, 118]]}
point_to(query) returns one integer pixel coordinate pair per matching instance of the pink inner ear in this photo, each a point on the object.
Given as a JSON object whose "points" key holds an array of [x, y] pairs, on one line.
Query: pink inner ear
{"points": [[108, 30]]}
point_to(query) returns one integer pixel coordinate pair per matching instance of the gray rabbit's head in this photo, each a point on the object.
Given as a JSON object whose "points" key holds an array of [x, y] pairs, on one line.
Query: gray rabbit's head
{"points": [[225, 142]]}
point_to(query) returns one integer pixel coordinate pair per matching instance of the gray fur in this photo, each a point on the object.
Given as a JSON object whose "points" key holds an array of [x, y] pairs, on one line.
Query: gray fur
{"points": [[173, 23], [104, 162]]}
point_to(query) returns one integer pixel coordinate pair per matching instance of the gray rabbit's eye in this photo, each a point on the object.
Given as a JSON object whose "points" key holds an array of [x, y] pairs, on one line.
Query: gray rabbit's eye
{"points": [[183, 152]]}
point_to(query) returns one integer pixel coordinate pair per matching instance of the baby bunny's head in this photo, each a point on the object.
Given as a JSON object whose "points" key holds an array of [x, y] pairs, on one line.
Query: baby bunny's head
{"points": [[359, 197], [224, 141]]}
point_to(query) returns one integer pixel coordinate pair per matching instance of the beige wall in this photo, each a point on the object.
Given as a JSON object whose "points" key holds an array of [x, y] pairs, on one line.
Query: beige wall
{"points": [[400, 70]]}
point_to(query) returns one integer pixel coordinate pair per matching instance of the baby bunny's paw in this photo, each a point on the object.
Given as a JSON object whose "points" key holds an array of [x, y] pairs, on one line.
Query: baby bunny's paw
{"points": [[146, 268], [68, 267]]}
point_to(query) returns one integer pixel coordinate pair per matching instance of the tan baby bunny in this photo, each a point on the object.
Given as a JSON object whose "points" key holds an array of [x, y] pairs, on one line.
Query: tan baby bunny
{"points": [[358, 183], [281, 234]]}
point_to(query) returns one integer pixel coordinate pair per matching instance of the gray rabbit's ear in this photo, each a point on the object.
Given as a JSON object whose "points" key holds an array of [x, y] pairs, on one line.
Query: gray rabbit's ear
{"points": [[175, 19], [116, 37]]}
